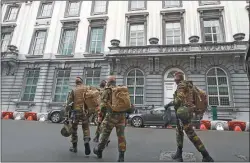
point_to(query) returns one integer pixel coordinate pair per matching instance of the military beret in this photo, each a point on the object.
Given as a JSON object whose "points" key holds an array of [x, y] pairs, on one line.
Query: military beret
{"points": [[79, 78]]}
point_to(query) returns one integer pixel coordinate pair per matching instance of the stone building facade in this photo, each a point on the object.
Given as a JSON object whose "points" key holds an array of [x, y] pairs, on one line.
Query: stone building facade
{"points": [[45, 45]]}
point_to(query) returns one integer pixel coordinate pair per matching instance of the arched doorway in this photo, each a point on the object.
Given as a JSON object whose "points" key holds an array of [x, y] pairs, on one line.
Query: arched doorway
{"points": [[169, 84]]}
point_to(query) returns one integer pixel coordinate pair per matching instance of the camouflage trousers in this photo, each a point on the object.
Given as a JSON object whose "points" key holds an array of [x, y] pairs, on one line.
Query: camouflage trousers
{"points": [[184, 123], [110, 121], [101, 116], [80, 117]]}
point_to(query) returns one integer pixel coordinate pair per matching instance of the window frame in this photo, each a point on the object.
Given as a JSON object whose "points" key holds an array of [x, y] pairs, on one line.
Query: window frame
{"points": [[210, 14], [166, 7], [40, 9], [25, 83], [134, 86], [66, 25], [92, 12], [8, 10], [171, 17], [96, 23], [8, 29], [33, 39], [136, 19], [92, 69], [137, 9], [205, 4], [55, 82], [217, 86], [66, 12]]}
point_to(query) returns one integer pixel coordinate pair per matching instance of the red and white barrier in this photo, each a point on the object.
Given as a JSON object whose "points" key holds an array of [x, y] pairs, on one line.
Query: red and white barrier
{"points": [[42, 117], [219, 125], [7, 115]]}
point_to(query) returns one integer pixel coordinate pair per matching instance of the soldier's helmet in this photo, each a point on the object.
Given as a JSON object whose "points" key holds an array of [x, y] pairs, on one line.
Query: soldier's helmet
{"points": [[66, 131]]}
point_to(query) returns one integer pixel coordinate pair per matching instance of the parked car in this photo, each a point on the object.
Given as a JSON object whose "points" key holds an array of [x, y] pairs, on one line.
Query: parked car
{"points": [[156, 117], [247, 61], [56, 116]]}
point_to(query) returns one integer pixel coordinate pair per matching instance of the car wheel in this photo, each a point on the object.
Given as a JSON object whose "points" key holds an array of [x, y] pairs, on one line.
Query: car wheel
{"points": [[56, 117], [137, 122]]}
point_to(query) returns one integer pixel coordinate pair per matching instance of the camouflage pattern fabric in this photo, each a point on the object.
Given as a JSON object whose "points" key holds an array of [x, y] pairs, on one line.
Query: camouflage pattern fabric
{"points": [[183, 101], [101, 116], [110, 121], [78, 115]]}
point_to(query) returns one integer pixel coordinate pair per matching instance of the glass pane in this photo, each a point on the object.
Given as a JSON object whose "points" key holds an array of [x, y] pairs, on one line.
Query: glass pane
{"points": [[139, 91], [222, 81], [138, 99], [211, 72], [224, 101], [58, 90], [67, 73], [29, 81], [97, 73], [66, 82], [33, 90], [131, 73], [212, 91], [96, 81], [63, 98], [139, 73], [208, 37], [59, 81], [27, 89], [132, 99], [213, 101], [35, 80], [139, 81], [57, 98], [171, 74], [131, 90], [89, 73], [32, 97], [36, 73], [211, 81], [65, 89], [89, 81], [207, 30], [130, 81], [60, 74], [25, 97], [223, 90], [30, 73], [220, 72]]}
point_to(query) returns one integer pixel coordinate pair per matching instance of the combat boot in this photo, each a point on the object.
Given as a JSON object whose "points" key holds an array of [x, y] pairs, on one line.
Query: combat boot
{"points": [[73, 148], [87, 146], [206, 157], [121, 157], [97, 152], [96, 139], [178, 155]]}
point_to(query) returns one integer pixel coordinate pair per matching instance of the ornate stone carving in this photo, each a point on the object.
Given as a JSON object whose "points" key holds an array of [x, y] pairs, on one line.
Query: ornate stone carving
{"points": [[9, 60], [118, 66], [239, 36], [236, 63], [192, 63], [153, 40], [198, 64], [150, 64], [194, 39], [157, 64], [115, 42]]}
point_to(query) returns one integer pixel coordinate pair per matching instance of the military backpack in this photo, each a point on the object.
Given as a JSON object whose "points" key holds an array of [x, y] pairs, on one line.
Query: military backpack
{"points": [[92, 99], [200, 101], [120, 99]]}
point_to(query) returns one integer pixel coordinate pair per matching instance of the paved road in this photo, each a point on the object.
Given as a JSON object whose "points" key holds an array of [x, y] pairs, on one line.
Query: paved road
{"points": [[41, 141]]}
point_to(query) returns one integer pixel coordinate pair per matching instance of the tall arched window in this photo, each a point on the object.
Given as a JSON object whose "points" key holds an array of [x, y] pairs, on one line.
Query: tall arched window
{"points": [[218, 87], [135, 84]]}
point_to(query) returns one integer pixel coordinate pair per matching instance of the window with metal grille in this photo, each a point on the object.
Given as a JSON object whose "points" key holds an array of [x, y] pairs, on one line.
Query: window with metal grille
{"points": [[45, 10], [67, 41], [173, 33], [62, 85], [218, 87], [136, 35], [92, 76], [5, 41], [73, 8], [12, 13], [96, 40], [135, 84], [212, 31], [31, 80], [38, 42]]}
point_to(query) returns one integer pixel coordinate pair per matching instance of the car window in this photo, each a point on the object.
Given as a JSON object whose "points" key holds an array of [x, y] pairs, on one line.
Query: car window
{"points": [[158, 111]]}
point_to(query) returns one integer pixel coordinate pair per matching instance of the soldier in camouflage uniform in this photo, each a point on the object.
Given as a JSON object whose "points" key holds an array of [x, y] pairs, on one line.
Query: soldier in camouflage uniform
{"points": [[184, 107], [78, 114], [101, 114], [111, 120]]}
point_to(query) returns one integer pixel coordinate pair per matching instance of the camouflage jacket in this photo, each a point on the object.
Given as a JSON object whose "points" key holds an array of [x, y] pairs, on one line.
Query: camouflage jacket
{"points": [[184, 95]]}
